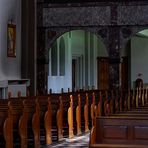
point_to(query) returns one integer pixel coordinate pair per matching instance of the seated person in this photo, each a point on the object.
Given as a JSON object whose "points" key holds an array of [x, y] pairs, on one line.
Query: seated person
{"points": [[139, 81]]}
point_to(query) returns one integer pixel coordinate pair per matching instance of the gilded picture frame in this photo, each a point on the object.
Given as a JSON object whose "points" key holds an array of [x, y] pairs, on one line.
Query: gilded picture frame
{"points": [[11, 40]]}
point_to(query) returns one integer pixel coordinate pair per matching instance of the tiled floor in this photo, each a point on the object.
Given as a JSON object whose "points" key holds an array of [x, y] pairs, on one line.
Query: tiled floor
{"points": [[76, 142]]}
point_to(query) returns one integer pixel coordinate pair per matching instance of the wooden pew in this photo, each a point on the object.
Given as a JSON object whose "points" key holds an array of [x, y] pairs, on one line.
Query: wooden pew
{"points": [[6, 124], [82, 105], [63, 107], [86, 120], [23, 125], [116, 146], [17, 112], [60, 103], [124, 131], [41, 109], [93, 109], [36, 124], [48, 123], [57, 117], [70, 112], [49, 129], [57, 121], [82, 110], [33, 122], [26, 112], [77, 100], [78, 115], [60, 119], [70, 118], [65, 111]]}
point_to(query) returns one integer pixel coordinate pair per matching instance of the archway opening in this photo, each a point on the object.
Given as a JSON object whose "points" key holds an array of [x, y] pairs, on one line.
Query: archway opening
{"points": [[136, 51], [73, 61]]}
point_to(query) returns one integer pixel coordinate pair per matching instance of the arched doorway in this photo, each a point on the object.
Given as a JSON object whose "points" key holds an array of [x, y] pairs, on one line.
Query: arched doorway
{"points": [[73, 61], [135, 58]]}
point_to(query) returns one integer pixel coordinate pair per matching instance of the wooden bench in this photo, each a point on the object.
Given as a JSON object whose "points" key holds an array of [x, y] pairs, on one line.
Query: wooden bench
{"points": [[60, 104], [76, 113], [122, 130], [54, 98], [26, 112], [116, 146], [6, 124], [42, 110], [23, 125], [48, 123], [33, 122], [126, 127], [28, 124], [17, 112], [66, 110], [62, 114], [60, 119]]}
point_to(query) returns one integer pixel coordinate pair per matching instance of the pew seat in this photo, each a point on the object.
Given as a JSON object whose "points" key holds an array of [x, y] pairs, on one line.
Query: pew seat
{"points": [[116, 146], [122, 130]]}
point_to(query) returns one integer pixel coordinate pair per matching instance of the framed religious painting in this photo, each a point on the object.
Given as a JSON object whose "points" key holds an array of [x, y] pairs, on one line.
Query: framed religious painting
{"points": [[11, 40]]}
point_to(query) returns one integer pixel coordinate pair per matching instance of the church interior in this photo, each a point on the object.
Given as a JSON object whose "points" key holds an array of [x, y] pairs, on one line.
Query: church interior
{"points": [[73, 68]]}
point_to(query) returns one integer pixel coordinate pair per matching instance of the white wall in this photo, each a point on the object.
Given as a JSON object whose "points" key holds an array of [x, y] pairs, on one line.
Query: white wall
{"points": [[57, 82], [139, 58], [10, 68]]}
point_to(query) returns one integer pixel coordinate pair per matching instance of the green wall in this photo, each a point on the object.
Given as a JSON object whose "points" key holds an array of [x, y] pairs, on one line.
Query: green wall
{"points": [[139, 58]]}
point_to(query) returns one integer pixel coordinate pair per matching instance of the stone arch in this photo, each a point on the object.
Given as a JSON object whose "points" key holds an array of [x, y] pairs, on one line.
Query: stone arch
{"points": [[127, 33], [59, 36], [100, 32], [133, 63]]}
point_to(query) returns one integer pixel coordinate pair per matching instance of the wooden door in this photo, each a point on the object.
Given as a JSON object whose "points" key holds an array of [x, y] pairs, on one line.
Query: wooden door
{"points": [[103, 73], [124, 74]]}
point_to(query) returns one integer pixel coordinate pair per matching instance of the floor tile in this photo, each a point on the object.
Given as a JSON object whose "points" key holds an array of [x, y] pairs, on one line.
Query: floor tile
{"points": [[76, 142]]}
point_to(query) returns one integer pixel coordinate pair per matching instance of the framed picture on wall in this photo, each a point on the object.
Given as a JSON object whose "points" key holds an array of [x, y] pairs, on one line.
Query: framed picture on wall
{"points": [[11, 40]]}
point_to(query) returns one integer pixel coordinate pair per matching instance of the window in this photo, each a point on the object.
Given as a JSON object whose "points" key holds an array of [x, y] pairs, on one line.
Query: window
{"points": [[54, 59], [62, 57], [58, 58]]}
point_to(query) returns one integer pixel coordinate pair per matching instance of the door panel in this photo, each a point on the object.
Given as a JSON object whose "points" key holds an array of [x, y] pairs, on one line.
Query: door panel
{"points": [[103, 73], [124, 74]]}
